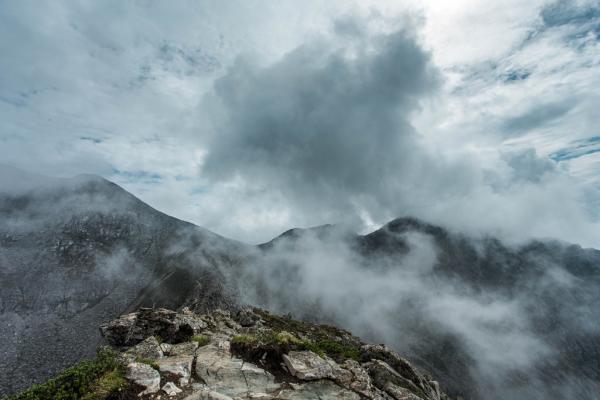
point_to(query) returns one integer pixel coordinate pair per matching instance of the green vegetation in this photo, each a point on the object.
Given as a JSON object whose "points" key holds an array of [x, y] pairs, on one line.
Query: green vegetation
{"points": [[336, 349], [110, 382], [148, 361], [201, 340], [285, 341], [244, 339], [89, 380], [321, 339], [285, 337]]}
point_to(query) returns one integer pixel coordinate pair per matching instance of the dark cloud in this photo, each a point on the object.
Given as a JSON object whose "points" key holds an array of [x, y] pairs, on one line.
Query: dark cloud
{"points": [[569, 12], [527, 166], [329, 121]]}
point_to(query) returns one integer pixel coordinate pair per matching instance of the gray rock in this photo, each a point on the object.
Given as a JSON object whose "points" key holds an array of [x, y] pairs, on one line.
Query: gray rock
{"points": [[307, 365], [246, 317], [172, 327], [171, 389], [229, 375], [207, 394], [389, 380], [178, 365], [414, 382], [148, 348], [145, 376], [166, 348], [183, 349], [317, 390]]}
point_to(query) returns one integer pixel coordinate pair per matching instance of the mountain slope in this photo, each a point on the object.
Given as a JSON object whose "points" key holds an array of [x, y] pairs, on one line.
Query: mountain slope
{"points": [[488, 319], [76, 252]]}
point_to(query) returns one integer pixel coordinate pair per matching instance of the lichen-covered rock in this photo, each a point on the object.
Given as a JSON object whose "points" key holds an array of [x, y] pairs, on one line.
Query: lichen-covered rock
{"points": [[170, 326], [401, 367], [147, 348], [307, 365], [317, 390], [171, 389], [246, 351], [390, 381], [145, 376], [230, 375], [177, 365], [207, 394], [182, 349]]}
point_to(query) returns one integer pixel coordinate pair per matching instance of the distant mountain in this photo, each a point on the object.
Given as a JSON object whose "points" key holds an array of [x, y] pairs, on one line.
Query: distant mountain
{"points": [[491, 321]]}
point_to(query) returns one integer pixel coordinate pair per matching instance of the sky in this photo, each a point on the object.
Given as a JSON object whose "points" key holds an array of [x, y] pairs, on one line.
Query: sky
{"points": [[251, 117]]}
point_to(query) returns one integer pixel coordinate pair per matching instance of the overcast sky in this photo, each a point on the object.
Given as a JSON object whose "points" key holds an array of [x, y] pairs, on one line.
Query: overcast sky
{"points": [[250, 117]]}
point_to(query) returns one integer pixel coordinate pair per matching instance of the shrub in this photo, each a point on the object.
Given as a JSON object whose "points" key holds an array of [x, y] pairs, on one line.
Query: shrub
{"points": [[201, 340], [244, 339], [76, 382]]}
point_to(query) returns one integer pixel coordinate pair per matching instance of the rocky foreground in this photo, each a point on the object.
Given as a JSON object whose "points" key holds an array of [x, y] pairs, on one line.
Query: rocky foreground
{"points": [[250, 354], [256, 355]]}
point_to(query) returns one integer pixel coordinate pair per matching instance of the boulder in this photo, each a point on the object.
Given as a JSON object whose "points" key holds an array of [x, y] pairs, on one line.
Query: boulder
{"points": [[148, 348], [246, 317], [145, 376], [170, 326], [307, 365], [417, 383], [317, 390], [207, 394], [171, 389], [390, 381], [178, 365], [183, 349], [230, 375], [360, 381]]}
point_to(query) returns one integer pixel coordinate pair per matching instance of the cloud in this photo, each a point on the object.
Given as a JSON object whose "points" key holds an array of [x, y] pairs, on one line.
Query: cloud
{"points": [[470, 84], [538, 116], [328, 123]]}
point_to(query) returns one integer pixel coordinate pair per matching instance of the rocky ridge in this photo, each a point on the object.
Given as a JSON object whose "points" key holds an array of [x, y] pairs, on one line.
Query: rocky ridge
{"points": [[253, 354]]}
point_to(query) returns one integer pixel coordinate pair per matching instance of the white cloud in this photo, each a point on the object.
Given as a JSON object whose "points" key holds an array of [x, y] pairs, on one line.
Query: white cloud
{"points": [[118, 88]]}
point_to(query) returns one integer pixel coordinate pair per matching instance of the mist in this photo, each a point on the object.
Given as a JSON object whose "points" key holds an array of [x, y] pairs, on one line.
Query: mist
{"points": [[410, 300]]}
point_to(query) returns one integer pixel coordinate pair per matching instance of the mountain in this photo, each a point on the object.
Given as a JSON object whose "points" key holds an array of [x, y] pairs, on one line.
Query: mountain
{"points": [[490, 320], [76, 252]]}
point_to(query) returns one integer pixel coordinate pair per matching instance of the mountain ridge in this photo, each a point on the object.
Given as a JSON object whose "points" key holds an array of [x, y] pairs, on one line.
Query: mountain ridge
{"points": [[74, 256]]}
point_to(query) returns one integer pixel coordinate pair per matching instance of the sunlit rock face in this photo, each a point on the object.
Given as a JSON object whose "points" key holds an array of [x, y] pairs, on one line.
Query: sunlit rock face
{"points": [[259, 360]]}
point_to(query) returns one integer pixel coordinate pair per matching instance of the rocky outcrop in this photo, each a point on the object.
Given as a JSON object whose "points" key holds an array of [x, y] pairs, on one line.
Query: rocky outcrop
{"points": [[253, 354]]}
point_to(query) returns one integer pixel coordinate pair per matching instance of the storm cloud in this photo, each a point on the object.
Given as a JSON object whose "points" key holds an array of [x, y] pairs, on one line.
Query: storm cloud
{"points": [[329, 121]]}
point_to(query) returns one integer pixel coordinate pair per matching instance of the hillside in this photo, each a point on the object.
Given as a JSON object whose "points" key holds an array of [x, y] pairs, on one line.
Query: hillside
{"points": [[489, 320]]}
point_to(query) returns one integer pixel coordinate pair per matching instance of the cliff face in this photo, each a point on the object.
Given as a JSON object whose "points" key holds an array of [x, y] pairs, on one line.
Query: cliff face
{"points": [[250, 354]]}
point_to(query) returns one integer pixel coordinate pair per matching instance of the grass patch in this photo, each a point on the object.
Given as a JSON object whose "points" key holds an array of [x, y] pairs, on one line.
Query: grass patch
{"points": [[244, 339], [320, 339], [336, 349], [285, 337], [148, 361], [201, 340], [78, 381], [111, 382]]}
